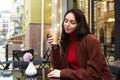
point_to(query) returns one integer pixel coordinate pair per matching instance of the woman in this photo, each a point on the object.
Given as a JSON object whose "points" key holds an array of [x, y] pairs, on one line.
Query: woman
{"points": [[78, 55]]}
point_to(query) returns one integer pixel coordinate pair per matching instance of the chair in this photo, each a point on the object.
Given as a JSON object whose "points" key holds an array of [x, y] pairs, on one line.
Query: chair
{"points": [[5, 65], [18, 61], [46, 58]]}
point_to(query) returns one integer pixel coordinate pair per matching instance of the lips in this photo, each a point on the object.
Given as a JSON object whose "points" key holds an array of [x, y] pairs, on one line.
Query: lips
{"points": [[67, 29]]}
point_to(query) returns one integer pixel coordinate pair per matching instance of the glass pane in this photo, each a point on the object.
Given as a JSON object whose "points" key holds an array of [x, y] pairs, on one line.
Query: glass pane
{"points": [[103, 22], [104, 26]]}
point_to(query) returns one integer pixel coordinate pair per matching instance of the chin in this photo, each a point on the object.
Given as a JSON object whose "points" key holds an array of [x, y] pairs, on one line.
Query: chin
{"points": [[67, 31]]}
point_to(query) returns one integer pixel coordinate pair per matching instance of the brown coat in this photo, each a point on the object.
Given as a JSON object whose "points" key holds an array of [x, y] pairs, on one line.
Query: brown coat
{"points": [[92, 64]]}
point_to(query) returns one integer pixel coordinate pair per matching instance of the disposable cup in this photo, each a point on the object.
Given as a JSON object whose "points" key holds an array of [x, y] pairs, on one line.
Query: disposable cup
{"points": [[55, 35]]}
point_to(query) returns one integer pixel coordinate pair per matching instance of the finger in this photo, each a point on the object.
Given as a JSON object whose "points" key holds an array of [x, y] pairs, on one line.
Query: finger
{"points": [[49, 35], [50, 40], [50, 75]]}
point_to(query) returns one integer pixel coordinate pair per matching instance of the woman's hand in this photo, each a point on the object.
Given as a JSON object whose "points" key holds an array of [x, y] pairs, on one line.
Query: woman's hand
{"points": [[54, 74], [50, 38]]}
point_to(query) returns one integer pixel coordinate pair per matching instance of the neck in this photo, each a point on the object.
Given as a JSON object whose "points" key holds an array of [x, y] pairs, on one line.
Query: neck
{"points": [[71, 36]]}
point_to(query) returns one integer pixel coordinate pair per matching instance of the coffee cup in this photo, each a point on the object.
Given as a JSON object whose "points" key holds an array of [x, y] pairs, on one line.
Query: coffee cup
{"points": [[55, 35]]}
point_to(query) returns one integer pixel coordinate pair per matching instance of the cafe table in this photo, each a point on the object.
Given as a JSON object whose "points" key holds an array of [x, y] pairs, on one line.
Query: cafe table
{"points": [[17, 75]]}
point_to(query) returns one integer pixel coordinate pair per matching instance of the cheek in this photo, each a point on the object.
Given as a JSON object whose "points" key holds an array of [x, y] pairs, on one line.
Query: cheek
{"points": [[73, 29], [64, 25]]}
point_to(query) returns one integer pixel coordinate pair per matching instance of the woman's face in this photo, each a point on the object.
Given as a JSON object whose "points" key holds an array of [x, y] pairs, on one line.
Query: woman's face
{"points": [[70, 23]]}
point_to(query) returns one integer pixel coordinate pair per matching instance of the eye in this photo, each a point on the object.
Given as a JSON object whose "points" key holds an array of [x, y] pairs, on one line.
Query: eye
{"points": [[73, 22], [65, 20]]}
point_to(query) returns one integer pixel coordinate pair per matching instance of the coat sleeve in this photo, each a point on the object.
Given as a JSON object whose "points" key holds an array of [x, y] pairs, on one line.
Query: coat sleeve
{"points": [[57, 59], [94, 63]]}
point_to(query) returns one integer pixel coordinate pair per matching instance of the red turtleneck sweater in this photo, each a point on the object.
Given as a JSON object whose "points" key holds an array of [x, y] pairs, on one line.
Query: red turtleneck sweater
{"points": [[72, 59]]}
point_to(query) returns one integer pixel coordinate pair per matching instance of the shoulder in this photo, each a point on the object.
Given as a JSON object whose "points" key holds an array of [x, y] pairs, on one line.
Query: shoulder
{"points": [[91, 38]]}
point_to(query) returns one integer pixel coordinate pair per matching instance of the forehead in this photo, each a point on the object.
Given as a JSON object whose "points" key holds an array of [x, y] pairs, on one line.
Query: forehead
{"points": [[70, 16]]}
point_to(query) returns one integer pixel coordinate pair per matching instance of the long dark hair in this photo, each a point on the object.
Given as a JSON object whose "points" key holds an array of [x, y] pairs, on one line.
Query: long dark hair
{"points": [[81, 30]]}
